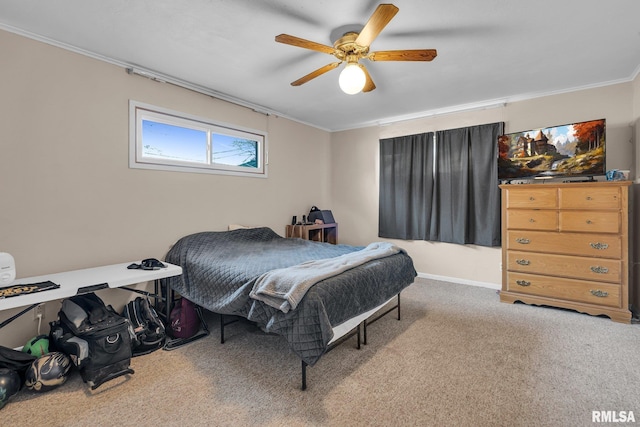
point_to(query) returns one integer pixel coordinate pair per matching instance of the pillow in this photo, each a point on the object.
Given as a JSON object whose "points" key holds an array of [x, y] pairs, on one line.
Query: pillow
{"points": [[238, 227]]}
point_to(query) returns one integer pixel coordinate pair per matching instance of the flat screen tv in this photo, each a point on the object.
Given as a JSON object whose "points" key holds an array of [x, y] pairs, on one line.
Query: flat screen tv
{"points": [[572, 150]]}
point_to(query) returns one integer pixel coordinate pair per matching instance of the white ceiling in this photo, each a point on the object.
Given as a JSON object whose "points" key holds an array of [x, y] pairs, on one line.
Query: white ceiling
{"points": [[488, 51]]}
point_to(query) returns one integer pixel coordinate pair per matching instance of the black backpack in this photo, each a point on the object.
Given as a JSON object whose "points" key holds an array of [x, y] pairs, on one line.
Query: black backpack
{"points": [[149, 330]]}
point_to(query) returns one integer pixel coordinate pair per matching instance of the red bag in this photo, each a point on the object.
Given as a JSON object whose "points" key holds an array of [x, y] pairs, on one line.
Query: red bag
{"points": [[185, 321]]}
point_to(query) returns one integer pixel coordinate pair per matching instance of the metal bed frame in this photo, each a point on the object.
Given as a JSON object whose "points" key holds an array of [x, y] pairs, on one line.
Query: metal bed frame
{"points": [[360, 330]]}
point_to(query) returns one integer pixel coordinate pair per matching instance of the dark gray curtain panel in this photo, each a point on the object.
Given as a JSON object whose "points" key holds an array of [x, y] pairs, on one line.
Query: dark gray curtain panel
{"points": [[406, 186], [447, 192], [466, 202]]}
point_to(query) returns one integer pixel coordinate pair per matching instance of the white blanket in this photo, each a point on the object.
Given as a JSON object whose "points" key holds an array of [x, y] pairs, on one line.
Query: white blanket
{"points": [[284, 288]]}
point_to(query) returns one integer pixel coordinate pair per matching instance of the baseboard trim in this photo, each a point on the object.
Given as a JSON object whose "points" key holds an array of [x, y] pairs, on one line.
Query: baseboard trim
{"points": [[461, 281]]}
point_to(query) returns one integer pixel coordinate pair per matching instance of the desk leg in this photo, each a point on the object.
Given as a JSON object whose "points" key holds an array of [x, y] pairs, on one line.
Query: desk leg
{"points": [[12, 318], [168, 301]]}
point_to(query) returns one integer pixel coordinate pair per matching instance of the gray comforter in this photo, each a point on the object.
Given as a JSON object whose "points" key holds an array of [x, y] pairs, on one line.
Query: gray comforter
{"points": [[221, 268]]}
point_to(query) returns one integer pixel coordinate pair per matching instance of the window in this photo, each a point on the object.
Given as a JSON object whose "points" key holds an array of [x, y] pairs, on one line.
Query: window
{"points": [[168, 140], [444, 192]]}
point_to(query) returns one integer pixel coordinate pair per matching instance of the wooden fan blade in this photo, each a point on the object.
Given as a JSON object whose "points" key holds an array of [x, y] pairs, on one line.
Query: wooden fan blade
{"points": [[306, 44], [403, 55], [369, 85], [312, 75], [380, 18]]}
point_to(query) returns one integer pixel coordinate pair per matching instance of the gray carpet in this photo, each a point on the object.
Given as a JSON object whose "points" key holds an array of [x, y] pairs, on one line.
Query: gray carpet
{"points": [[458, 357]]}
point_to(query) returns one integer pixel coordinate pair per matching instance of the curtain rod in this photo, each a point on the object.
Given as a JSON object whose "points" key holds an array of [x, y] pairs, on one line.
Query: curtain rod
{"points": [[197, 88]]}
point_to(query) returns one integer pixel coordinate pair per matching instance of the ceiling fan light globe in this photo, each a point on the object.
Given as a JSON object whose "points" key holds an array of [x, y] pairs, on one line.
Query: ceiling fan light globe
{"points": [[352, 79]]}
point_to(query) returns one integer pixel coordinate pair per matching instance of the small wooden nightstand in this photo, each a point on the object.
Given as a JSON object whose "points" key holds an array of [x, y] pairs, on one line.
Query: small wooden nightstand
{"points": [[327, 233]]}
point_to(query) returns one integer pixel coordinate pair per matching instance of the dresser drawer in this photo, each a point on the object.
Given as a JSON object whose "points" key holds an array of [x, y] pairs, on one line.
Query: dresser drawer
{"points": [[531, 198], [566, 289], [589, 198], [596, 269], [581, 244], [531, 219], [590, 221]]}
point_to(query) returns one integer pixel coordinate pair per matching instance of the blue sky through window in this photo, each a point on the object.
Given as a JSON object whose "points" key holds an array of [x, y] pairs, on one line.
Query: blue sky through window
{"points": [[185, 144], [231, 150], [174, 142]]}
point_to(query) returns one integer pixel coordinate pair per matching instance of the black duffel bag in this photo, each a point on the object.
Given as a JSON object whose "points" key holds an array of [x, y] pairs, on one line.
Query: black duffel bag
{"points": [[96, 338]]}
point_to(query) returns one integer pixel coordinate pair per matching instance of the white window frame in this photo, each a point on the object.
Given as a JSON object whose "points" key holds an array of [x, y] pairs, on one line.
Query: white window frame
{"points": [[139, 111]]}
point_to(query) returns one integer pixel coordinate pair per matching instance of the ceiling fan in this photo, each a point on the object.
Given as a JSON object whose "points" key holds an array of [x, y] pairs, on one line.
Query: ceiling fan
{"points": [[352, 47]]}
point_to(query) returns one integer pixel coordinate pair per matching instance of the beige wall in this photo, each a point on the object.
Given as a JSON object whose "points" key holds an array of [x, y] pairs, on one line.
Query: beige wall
{"points": [[68, 199], [354, 157]]}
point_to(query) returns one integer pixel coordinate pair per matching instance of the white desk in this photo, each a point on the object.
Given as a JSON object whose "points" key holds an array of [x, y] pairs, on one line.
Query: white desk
{"points": [[110, 276]]}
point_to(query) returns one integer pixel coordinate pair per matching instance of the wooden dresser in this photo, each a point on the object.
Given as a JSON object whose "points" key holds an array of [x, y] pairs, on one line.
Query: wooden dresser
{"points": [[567, 245]]}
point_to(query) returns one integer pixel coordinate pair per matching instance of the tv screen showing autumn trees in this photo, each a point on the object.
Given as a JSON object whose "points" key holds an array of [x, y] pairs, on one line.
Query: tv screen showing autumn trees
{"points": [[576, 149]]}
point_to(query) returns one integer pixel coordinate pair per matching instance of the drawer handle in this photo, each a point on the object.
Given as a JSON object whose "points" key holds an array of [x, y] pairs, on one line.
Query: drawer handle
{"points": [[599, 270], [599, 293], [532, 198], [599, 246], [588, 197], [589, 221], [525, 262], [523, 240], [525, 283], [532, 220]]}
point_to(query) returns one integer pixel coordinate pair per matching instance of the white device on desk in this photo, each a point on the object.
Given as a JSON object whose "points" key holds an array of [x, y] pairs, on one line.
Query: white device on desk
{"points": [[7, 269]]}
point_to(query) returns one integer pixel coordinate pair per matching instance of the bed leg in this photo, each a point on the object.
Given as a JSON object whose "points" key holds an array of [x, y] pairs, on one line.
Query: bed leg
{"points": [[224, 323], [365, 323], [221, 328], [304, 375], [358, 333], [364, 332]]}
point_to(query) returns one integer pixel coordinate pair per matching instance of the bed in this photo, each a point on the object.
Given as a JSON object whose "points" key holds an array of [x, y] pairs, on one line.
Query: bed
{"points": [[221, 270]]}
